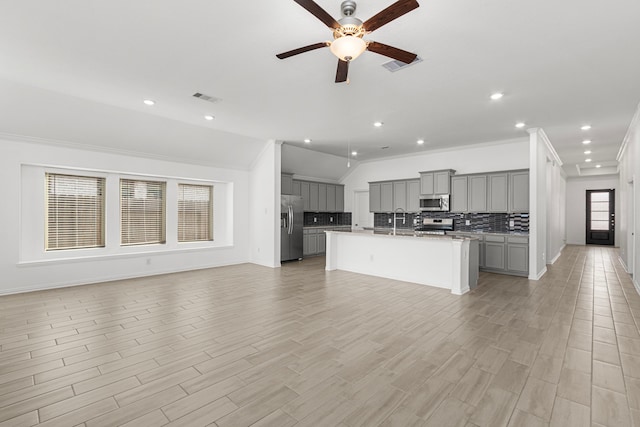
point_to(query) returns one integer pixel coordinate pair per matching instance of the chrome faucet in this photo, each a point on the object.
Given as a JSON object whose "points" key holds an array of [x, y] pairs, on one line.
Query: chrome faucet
{"points": [[404, 219]]}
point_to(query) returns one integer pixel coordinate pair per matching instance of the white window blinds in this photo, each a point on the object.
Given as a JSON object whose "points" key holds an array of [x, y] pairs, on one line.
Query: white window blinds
{"points": [[142, 212], [75, 212], [195, 213]]}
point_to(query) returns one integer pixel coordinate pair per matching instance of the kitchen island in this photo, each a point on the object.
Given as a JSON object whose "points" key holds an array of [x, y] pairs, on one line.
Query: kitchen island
{"points": [[441, 261]]}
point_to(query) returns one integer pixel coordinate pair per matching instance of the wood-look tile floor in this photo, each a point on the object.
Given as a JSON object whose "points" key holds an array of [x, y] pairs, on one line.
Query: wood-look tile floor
{"points": [[246, 345]]}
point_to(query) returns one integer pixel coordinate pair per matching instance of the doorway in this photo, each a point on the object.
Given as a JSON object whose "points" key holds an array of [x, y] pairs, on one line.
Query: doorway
{"points": [[600, 217], [361, 215]]}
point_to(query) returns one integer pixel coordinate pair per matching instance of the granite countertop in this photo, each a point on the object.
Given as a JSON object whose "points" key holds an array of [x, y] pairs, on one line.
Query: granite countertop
{"points": [[499, 233], [405, 234]]}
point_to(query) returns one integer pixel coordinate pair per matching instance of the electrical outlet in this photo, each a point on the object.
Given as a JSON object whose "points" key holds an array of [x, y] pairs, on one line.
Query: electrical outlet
{"points": [[512, 223], [467, 222], [315, 219], [390, 220], [330, 219]]}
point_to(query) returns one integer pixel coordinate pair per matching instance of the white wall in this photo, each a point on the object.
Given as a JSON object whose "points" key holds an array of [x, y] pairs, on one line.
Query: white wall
{"points": [[502, 155], [629, 197], [264, 218], [22, 269], [576, 204], [556, 206]]}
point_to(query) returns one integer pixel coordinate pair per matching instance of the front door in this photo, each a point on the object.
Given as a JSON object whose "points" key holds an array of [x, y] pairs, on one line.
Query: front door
{"points": [[600, 217]]}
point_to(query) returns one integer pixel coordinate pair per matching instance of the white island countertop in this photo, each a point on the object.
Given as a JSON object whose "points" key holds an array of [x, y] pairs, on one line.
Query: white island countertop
{"points": [[442, 261]]}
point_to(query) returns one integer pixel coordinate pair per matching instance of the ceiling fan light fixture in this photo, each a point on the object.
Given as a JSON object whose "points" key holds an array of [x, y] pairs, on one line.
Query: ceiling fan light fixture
{"points": [[348, 48]]}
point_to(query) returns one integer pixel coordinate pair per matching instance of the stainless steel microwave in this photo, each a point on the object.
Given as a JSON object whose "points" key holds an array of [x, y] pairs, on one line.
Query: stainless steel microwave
{"points": [[438, 203]]}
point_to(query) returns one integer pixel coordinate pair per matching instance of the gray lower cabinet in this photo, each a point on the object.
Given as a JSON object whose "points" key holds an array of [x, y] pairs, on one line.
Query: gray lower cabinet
{"points": [[309, 243], [494, 252], [518, 255], [314, 240], [322, 242]]}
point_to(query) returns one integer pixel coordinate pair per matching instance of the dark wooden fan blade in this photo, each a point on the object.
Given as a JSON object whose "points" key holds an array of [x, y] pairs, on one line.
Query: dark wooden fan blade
{"points": [[394, 11], [342, 71], [302, 50], [392, 52], [319, 13]]}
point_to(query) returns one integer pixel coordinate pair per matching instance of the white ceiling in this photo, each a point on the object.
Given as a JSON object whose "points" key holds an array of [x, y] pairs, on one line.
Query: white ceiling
{"points": [[561, 64]]}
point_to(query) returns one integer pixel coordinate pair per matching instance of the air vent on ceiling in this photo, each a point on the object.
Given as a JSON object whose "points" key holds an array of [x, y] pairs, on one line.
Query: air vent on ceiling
{"points": [[396, 65], [207, 98]]}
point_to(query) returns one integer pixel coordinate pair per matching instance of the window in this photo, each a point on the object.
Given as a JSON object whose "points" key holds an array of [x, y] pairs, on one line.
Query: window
{"points": [[75, 212], [142, 212], [195, 213]]}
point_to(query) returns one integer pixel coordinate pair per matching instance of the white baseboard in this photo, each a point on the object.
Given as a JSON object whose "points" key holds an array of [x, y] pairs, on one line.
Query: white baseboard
{"points": [[539, 275], [636, 285], [624, 265], [109, 278], [555, 258]]}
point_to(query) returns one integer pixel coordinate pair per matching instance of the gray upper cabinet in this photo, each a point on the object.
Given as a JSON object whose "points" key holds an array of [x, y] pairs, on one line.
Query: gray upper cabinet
{"points": [[426, 183], [400, 195], [286, 183], [305, 192], [319, 196], [374, 197], [339, 198], [519, 191], [478, 193], [498, 195], [459, 194], [386, 197], [322, 197], [413, 195], [313, 197], [435, 182], [297, 188], [442, 182], [331, 198]]}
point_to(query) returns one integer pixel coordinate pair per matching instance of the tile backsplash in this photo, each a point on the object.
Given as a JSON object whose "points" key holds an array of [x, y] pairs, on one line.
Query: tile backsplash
{"points": [[312, 219], [485, 222]]}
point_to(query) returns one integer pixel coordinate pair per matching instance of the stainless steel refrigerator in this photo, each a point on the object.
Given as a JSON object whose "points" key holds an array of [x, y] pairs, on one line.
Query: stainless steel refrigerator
{"points": [[291, 221]]}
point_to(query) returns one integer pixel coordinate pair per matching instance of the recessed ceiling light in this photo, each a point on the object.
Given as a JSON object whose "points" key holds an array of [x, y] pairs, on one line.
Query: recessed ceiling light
{"points": [[586, 127], [307, 140], [354, 153], [586, 141], [496, 96], [149, 102], [587, 152], [378, 124], [209, 117], [520, 125], [587, 160], [598, 166], [420, 141]]}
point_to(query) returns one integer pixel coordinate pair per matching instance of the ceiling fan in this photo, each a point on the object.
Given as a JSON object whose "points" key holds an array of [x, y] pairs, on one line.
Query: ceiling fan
{"points": [[348, 33]]}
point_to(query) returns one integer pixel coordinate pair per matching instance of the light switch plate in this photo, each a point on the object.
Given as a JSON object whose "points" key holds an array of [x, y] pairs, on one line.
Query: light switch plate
{"points": [[512, 223]]}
